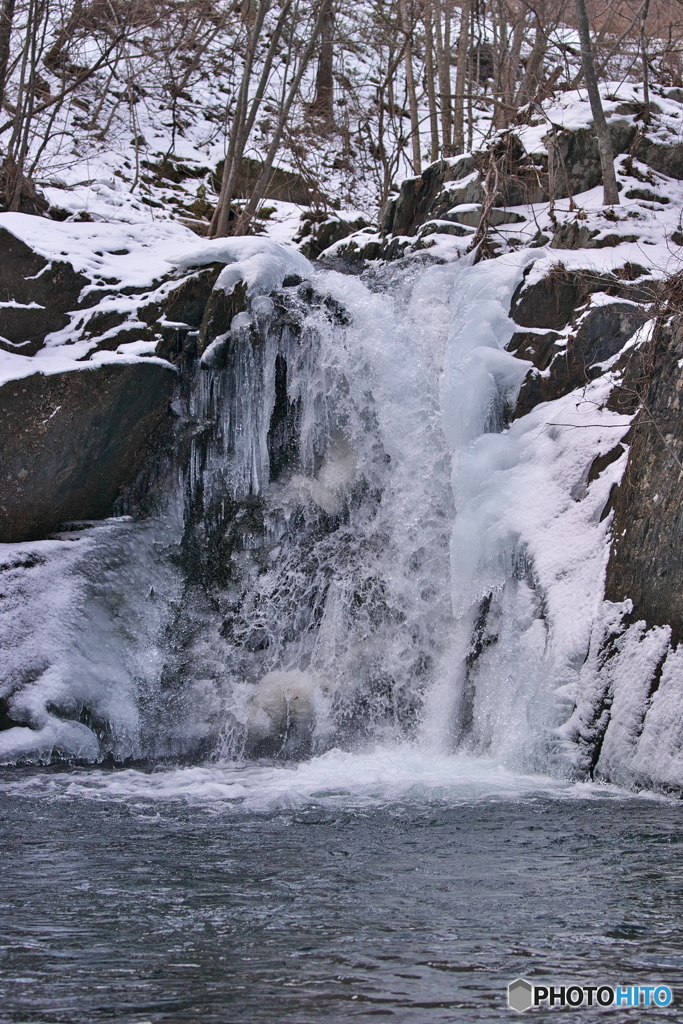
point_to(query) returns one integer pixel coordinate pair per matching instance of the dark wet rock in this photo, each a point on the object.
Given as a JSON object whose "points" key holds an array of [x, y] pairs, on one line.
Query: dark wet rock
{"points": [[70, 442], [337, 313], [320, 231], [194, 314], [219, 313], [42, 293], [574, 157], [601, 333], [186, 303], [646, 560], [287, 186], [667, 159], [539, 347], [575, 235]]}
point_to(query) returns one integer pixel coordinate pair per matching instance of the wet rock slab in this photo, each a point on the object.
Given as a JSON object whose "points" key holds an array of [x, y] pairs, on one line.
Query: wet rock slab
{"points": [[69, 442], [35, 295]]}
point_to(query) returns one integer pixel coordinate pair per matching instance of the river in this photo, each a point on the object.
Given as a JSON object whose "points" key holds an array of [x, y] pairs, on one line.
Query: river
{"points": [[389, 884]]}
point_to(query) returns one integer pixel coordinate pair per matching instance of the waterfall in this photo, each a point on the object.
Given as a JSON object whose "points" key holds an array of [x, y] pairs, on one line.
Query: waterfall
{"points": [[353, 546]]}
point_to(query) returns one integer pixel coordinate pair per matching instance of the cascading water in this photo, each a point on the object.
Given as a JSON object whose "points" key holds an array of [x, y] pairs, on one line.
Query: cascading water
{"points": [[331, 564], [319, 518]]}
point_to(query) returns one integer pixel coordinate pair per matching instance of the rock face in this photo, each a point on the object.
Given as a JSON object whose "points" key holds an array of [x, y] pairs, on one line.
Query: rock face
{"points": [[600, 333], [646, 562], [417, 198], [35, 295], [71, 441], [320, 231], [570, 166], [627, 710], [284, 185], [574, 158], [666, 159], [593, 331]]}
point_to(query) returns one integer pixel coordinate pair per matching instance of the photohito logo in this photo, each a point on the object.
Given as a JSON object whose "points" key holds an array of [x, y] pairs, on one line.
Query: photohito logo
{"points": [[522, 995]]}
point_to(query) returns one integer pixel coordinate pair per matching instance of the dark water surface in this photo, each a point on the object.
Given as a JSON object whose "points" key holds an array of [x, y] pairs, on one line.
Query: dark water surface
{"points": [[415, 912]]}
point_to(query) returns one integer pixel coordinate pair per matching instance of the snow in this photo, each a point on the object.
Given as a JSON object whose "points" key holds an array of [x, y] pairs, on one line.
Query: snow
{"points": [[97, 250], [261, 263]]}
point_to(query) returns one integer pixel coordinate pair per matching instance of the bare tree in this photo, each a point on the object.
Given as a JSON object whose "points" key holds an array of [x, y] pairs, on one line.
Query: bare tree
{"points": [[461, 78], [442, 10], [6, 20], [428, 18], [244, 219], [324, 79], [609, 178], [239, 133], [643, 57], [407, 24]]}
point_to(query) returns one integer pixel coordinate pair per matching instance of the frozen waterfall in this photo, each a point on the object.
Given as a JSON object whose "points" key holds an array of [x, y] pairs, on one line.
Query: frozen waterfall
{"points": [[354, 545]]}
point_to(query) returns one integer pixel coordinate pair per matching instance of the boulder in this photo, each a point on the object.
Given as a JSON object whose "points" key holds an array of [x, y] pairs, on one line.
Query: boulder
{"points": [[574, 158], [70, 442], [471, 218], [322, 231], [414, 204], [575, 235], [220, 310], [547, 304], [287, 186], [539, 347], [183, 311], [601, 332], [661, 157], [36, 295]]}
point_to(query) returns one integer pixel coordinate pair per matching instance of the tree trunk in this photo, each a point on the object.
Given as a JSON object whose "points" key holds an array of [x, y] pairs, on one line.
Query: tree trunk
{"points": [[431, 84], [233, 157], [443, 34], [533, 74], [6, 19], [646, 70], [324, 79], [410, 86], [461, 78], [55, 58], [609, 178]]}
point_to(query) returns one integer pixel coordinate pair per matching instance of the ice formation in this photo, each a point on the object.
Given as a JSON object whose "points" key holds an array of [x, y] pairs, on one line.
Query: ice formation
{"points": [[358, 547]]}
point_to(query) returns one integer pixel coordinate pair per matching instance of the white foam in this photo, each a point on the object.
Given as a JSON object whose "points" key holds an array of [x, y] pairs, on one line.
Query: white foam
{"points": [[384, 776]]}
